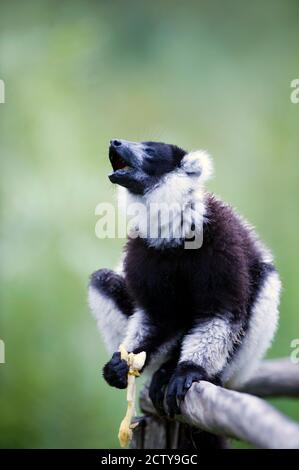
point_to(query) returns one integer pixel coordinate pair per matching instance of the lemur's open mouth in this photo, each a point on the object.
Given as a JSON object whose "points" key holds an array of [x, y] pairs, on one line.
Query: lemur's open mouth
{"points": [[125, 164], [117, 162]]}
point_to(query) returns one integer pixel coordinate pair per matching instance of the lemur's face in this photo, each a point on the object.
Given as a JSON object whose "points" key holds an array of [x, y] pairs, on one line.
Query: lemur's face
{"points": [[138, 166]]}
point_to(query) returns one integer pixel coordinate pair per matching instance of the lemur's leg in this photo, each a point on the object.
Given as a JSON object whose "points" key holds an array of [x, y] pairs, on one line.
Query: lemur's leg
{"points": [[205, 352], [160, 380], [112, 306], [259, 333]]}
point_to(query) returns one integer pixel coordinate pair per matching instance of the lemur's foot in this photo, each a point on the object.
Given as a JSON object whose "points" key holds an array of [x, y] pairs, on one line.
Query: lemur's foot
{"points": [[158, 386], [115, 372], [183, 377], [113, 286]]}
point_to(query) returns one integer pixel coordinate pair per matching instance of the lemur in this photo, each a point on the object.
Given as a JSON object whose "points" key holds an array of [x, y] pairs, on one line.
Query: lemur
{"points": [[208, 313]]}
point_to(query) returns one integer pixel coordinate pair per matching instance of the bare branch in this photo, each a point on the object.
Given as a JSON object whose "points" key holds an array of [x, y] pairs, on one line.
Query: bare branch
{"points": [[274, 378], [239, 415]]}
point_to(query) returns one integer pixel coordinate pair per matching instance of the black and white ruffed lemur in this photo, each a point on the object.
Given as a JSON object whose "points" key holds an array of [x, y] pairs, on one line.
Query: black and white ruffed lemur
{"points": [[208, 313]]}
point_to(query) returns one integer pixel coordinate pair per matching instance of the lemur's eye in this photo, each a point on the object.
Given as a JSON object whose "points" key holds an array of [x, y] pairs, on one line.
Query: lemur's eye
{"points": [[150, 151]]}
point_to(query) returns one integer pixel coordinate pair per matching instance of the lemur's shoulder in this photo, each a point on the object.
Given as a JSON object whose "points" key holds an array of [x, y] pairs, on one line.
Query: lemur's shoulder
{"points": [[225, 228], [221, 217]]}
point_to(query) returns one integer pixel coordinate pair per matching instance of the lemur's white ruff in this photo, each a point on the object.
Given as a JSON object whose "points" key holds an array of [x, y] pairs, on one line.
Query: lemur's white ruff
{"points": [[174, 209]]}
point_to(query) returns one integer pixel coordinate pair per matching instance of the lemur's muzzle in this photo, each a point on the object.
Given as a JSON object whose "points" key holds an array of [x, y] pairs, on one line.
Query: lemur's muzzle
{"points": [[124, 154], [126, 160]]}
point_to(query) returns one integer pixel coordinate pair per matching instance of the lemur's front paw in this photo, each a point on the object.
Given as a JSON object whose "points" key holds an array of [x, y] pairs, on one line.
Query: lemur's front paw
{"points": [[107, 281], [157, 387], [115, 372], [184, 375]]}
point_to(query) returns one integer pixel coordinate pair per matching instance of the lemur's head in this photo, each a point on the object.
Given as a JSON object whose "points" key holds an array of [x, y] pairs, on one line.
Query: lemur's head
{"points": [[141, 166], [166, 182]]}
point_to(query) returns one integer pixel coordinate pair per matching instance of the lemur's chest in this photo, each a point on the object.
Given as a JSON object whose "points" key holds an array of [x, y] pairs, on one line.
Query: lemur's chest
{"points": [[162, 282]]}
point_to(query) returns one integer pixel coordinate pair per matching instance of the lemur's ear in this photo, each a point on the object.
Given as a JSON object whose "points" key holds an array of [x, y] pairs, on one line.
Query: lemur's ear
{"points": [[198, 163]]}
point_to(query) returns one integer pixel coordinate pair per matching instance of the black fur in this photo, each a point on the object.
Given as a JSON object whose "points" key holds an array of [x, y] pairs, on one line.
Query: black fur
{"points": [[160, 381], [161, 158], [115, 372], [114, 287]]}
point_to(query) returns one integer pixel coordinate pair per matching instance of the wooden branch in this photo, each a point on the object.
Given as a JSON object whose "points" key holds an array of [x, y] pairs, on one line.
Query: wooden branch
{"points": [[240, 415], [274, 378]]}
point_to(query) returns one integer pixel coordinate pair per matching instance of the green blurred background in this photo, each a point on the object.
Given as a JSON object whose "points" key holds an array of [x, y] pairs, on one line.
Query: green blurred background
{"points": [[213, 75]]}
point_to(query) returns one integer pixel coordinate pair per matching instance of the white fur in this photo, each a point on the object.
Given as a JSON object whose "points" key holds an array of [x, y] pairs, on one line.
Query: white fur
{"points": [[120, 266], [138, 328], [162, 355], [111, 322], [198, 162], [181, 191], [262, 327], [209, 344], [184, 199]]}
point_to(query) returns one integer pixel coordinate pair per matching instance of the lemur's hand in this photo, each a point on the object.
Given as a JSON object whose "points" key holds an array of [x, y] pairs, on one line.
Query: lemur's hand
{"points": [[181, 380], [115, 372]]}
